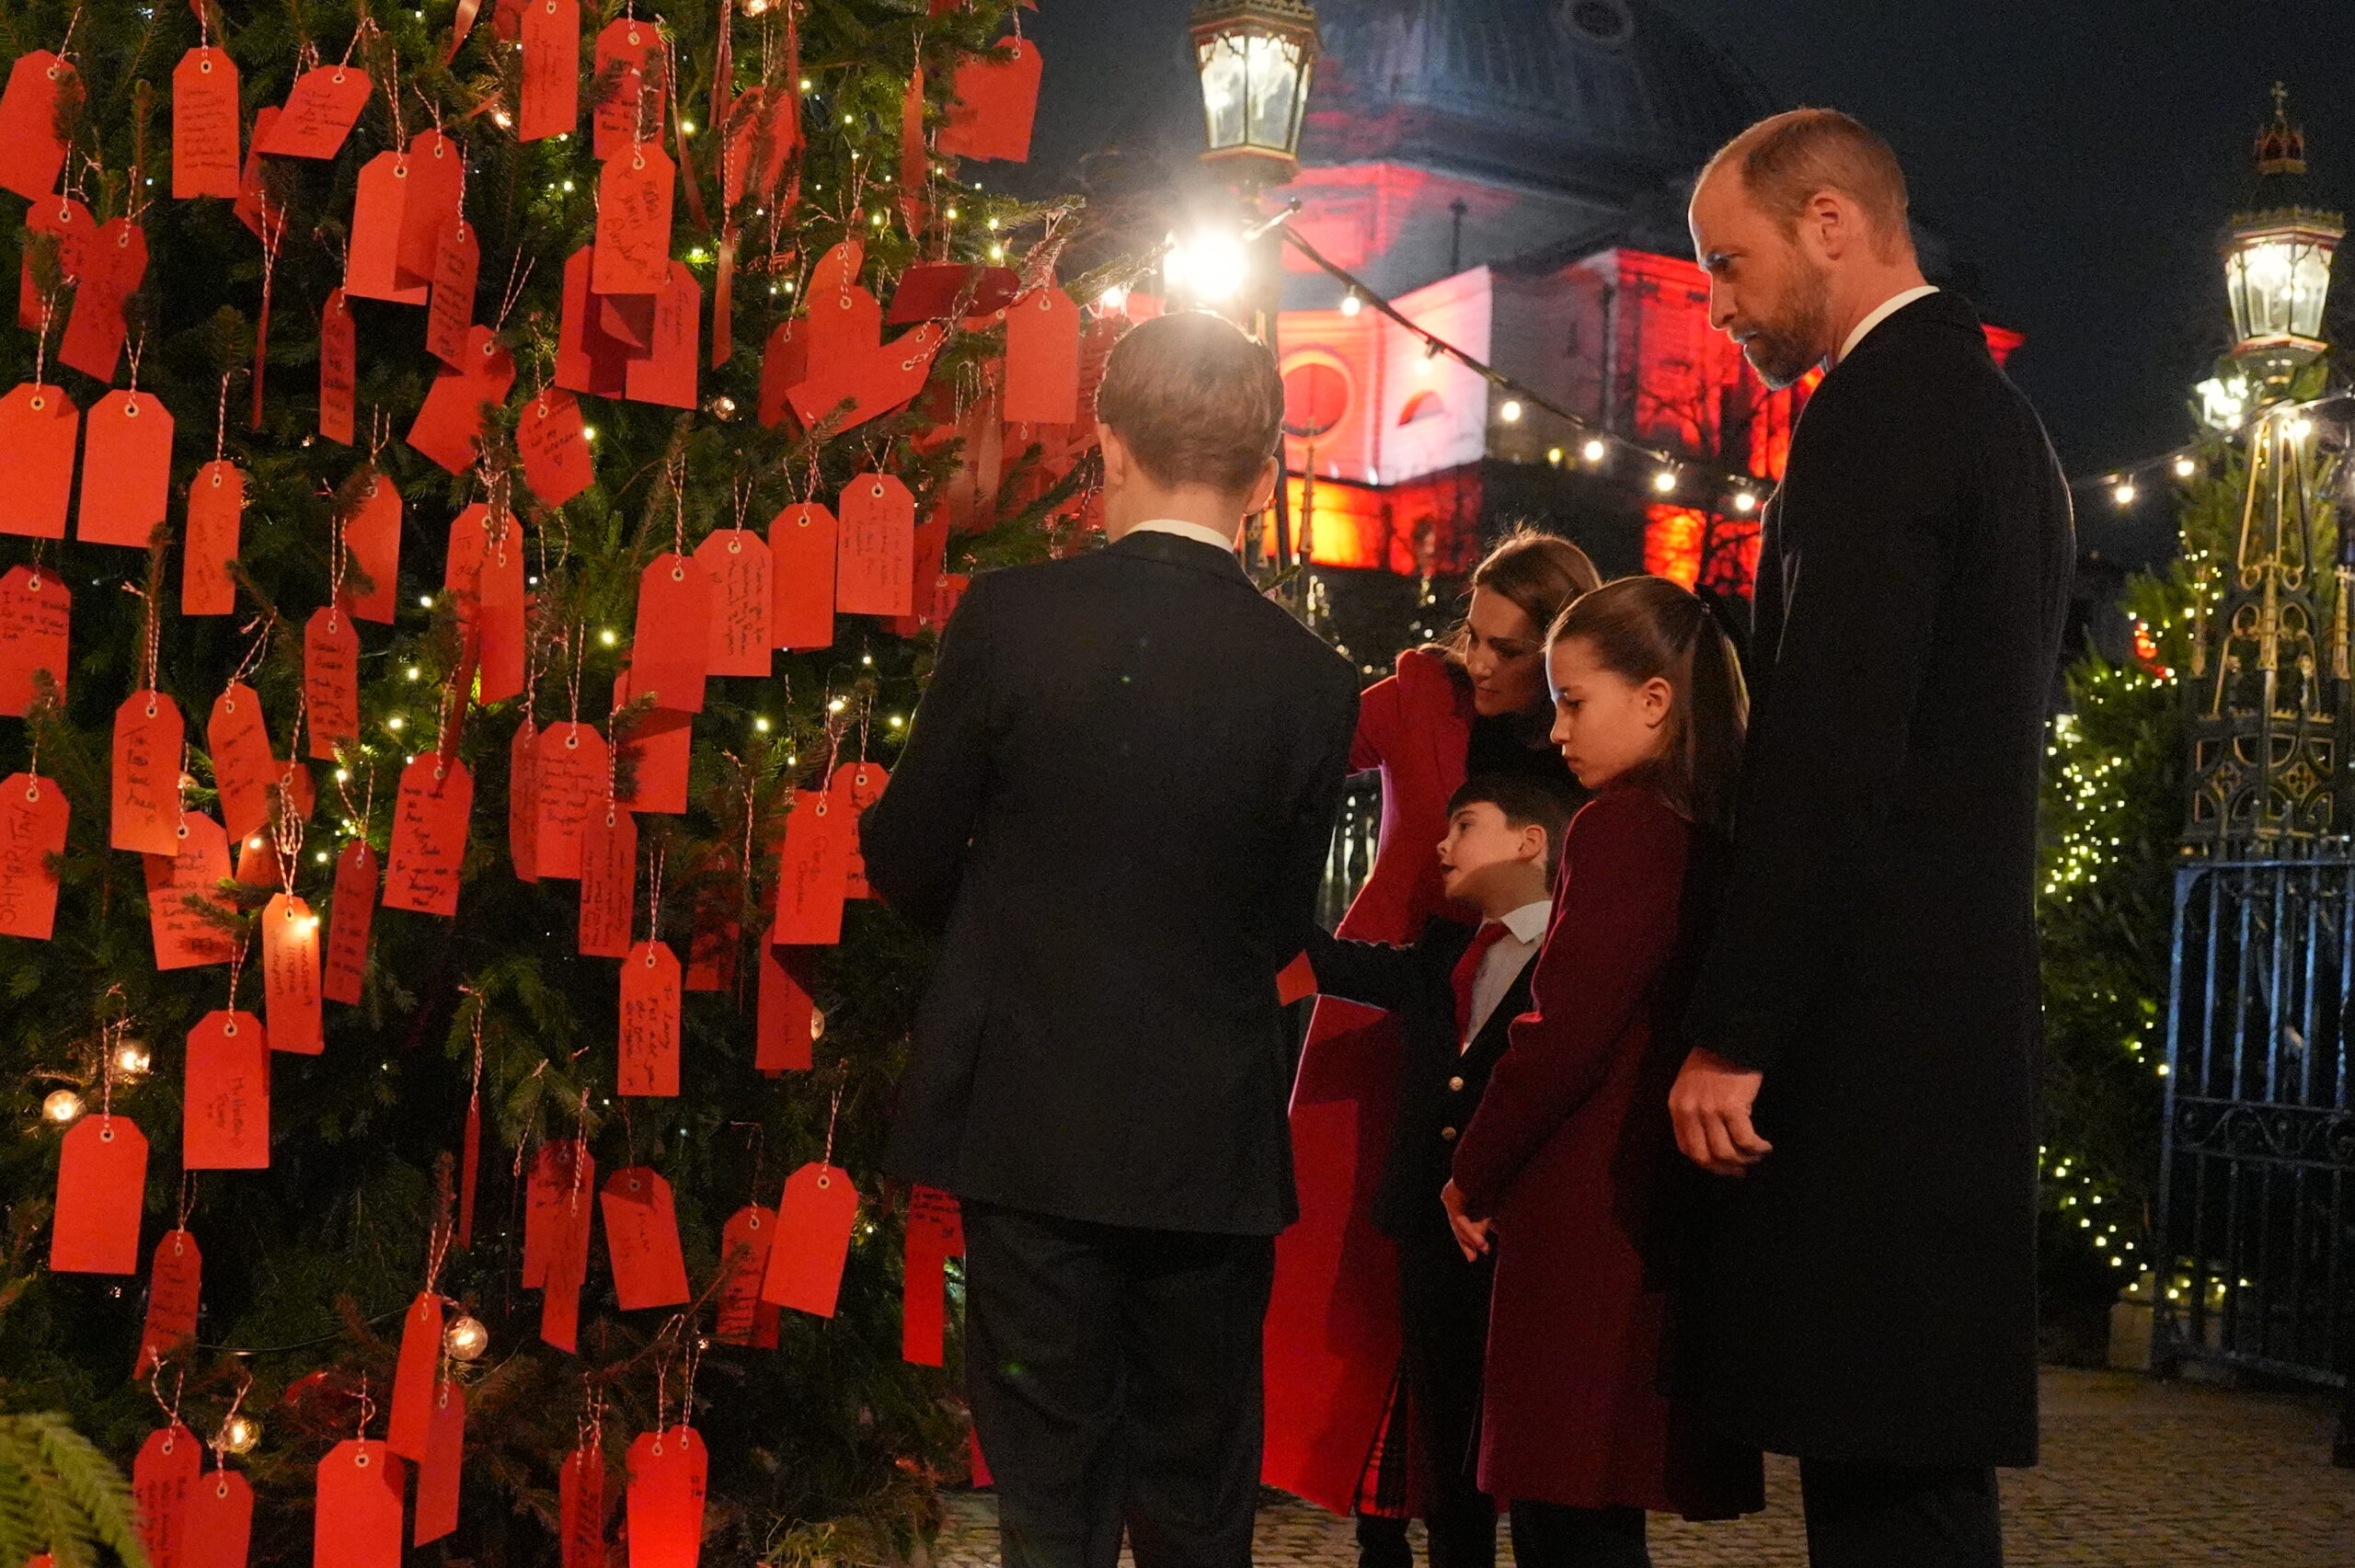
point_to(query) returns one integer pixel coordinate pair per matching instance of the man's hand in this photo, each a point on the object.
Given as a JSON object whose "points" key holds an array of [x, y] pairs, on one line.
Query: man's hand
{"points": [[1472, 1235], [1710, 1106]]}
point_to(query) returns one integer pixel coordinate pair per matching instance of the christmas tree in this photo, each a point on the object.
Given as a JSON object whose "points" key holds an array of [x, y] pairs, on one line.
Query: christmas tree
{"points": [[481, 484]]}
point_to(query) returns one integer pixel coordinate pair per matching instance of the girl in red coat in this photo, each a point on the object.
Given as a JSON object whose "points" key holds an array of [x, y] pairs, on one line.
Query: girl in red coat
{"points": [[1571, 1158], [1476, 705]]}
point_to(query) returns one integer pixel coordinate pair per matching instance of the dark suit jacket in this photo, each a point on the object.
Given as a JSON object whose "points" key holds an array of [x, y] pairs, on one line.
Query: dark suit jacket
{"points": [[1113, 810], [1439, 1086], [1874, 1292]]}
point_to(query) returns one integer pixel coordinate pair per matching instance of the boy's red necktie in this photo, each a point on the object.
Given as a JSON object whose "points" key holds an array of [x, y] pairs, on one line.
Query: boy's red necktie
{"points": [[1467, 972]]}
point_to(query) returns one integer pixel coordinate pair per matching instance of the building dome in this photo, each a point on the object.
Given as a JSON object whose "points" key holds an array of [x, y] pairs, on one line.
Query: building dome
{"points": [[1599, 97]]}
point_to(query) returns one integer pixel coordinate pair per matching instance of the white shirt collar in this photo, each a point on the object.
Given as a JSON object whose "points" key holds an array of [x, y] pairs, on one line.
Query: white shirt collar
{"points": [[1527, 923], [1193, 531], [1882, 312]]}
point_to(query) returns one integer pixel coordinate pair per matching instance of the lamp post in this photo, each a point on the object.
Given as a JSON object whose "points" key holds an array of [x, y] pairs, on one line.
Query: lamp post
{"points": [[2277, 262]]}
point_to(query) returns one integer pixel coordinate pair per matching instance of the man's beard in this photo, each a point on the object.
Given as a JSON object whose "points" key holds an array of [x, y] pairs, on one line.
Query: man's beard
{"points": [[1786, 348]]}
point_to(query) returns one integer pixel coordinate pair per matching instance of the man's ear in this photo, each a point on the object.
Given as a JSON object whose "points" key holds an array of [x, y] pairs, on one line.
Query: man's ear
{"points": [[1263, 490], [1830, 225], [1116, 454]]}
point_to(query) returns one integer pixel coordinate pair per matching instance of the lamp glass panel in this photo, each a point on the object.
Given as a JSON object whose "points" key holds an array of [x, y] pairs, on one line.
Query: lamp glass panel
{"points": [[1224, 65], [1275, 87]]}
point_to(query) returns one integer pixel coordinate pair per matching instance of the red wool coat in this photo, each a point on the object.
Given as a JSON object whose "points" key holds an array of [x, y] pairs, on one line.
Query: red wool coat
{"points": [[1333, 1338], [1572, 1152]]}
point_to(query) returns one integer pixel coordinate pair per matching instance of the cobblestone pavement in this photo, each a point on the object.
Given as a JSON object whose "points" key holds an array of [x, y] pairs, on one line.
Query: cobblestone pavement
{"points": [[2135, 1472]]}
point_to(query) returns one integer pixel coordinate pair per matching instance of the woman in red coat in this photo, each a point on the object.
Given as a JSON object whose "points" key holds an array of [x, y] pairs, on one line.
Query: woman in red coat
{"points": [[1571, 1157], [1478, 703]]}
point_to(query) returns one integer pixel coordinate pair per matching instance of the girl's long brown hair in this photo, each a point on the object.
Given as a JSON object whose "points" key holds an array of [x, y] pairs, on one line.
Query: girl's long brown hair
{"points": [[1540, 572], [1643, 628]]}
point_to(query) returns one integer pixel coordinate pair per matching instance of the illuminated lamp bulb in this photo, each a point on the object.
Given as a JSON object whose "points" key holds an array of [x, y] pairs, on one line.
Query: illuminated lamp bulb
{"points": [[466, 1339], [2186, 467], [2300, 428], [62, 1106], [239, 1434], [131, 1057], [1510, 412], [1665, 481], [1553, 455], [1593, 451], [1745, 500], [2123, 493], [816, 1023], [1351, 304], [1112, 301]]}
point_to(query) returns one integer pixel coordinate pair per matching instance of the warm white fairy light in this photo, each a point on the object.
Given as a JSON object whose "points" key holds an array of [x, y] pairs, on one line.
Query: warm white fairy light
{"points": [[1595, 450], [62, 1106]]}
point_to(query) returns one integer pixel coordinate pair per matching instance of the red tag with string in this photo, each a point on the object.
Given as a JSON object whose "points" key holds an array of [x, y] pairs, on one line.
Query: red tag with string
{"points": [[803, 544], [608, 882], [101, 1177], [635, 45], [148, 737], [876, 561], [1043, 356], [550, 434], [226, 1094], [420, 1357], [587, 358], [576, 773], [736, 563], [854, 788], [783, 1028], [714, 936], [126, 469], [439, 1468], [995, 96], [649, 1021], [68, 223], [430, 835], [924, 1310], [551, 96], [654, 752], [845, 322], [523, 800], [184, 935], [812, 871], [851, 391], [450, 308], [350, 915], [633, 248], [339, 369], [372, 263], [785, 364], [204, 125], [216, 499], [33, 815], [543, 1193], [357, 1518], [175, 1279], [320, 113], [31, 152], [39, 426], [161, 1479], [244, 768], [667, 1471], [36, 615], [449, 426], [763, 130], [666, 372], [568, 1260], [642, 1235], [217, 1527], [469, 538], [436, 184], [290, 967], [582, 1506], [743, 1262], [372, 534], [301, 794], [331, 679], [113, 264], [813, 1227], [931, 556], [498, 614], [670, 648], [255, 207]]}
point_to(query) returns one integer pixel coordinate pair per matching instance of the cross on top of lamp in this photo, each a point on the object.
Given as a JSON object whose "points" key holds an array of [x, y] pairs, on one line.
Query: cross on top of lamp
{"points": [[1256, 58], [2277, 263]]}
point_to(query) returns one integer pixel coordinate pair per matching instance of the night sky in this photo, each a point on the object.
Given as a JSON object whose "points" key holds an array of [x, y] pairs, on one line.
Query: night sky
{"points": [[2081, 155]]}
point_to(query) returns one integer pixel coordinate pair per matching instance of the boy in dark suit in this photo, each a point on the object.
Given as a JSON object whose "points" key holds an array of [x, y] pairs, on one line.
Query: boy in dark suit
{"points": [[1454, 992]]}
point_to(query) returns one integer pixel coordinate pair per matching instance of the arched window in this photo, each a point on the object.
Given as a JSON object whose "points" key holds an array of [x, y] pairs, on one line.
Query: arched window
{"points": [[1422, 405]]}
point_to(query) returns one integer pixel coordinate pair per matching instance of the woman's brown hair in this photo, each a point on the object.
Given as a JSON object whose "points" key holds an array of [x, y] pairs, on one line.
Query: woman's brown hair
{"points": [[1644, 628], [1542, 573]]}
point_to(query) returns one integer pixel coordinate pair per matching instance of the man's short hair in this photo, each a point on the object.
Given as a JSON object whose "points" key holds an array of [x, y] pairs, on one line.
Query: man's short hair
{"points": [[1195, 401], [1787, 159], [1526, 803]]}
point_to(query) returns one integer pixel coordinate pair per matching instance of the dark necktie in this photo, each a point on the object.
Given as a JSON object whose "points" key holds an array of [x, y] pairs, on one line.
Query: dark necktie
{"points": [[1467, 972]]}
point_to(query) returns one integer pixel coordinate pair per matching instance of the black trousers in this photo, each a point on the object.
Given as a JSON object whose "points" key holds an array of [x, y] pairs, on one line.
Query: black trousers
{"points": [[1114, 1376], [1443, 1323], [1921, 1516], [1555, 1535]]}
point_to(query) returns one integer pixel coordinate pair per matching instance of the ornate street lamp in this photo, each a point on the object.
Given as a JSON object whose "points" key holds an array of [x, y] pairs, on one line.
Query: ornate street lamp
{"points": [[2277, 261], [1256, 58]]}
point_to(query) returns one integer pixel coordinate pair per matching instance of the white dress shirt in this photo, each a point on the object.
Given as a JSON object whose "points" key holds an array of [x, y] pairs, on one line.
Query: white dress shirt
{"points": [[1882, 312], [1524, 928], [1193, 531]]}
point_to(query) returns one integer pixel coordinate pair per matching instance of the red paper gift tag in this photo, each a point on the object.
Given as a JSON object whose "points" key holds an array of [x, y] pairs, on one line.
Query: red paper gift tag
{"points": [[226, 1094], [875, 561], [803, 545], [216, 497], [654, 752], [339, 368], [438, 1470], [146, 777], [931, 555], [101, 1180], [845, 324], [31, 152], [331, 679], [469, 537], [38, 428], [666, 1498], [436, 178], [633, 249], [785, 364], [735, 561], [924, 1310], [670, 648], [523, 800], [70, 224], [349, 917], [608, 881], [551, 96], [587, 358], [547, 1193], [256, 865], [813, 1226], [782, 1029], [372, 532], [642, 1235], [32, 827], [649, 1021], [429, 835], [1043, 356], [576, 775], [937, 289], [161, 1479], [996, 95], [36, 611], [175, 1279], [854, 788], [914, 169], [204, 125], [743, 1262], [357, 1518], [318, 114], [582, 1506], [497, 612], [550, 433], [812, 871], [184, 935], [666, 374], [851, 391], [634, 104], [302, 795], [113, 265], [372, 263], [126, 469], [217, 1528], [244, 768], [413, 1377], [935, 1220], [450, 309], [449, 427], [763, 131], [568, 1265], [469, 1170], [714, 936], [257, 207], [289, 959]]}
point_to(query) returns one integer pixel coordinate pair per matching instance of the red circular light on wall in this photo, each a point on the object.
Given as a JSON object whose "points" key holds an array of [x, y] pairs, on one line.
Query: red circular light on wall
{"points": [[1316, 398]]}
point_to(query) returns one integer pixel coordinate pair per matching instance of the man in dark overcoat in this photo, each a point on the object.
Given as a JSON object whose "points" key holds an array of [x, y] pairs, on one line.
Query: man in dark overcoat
{"points": [[1867, 1032]]}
